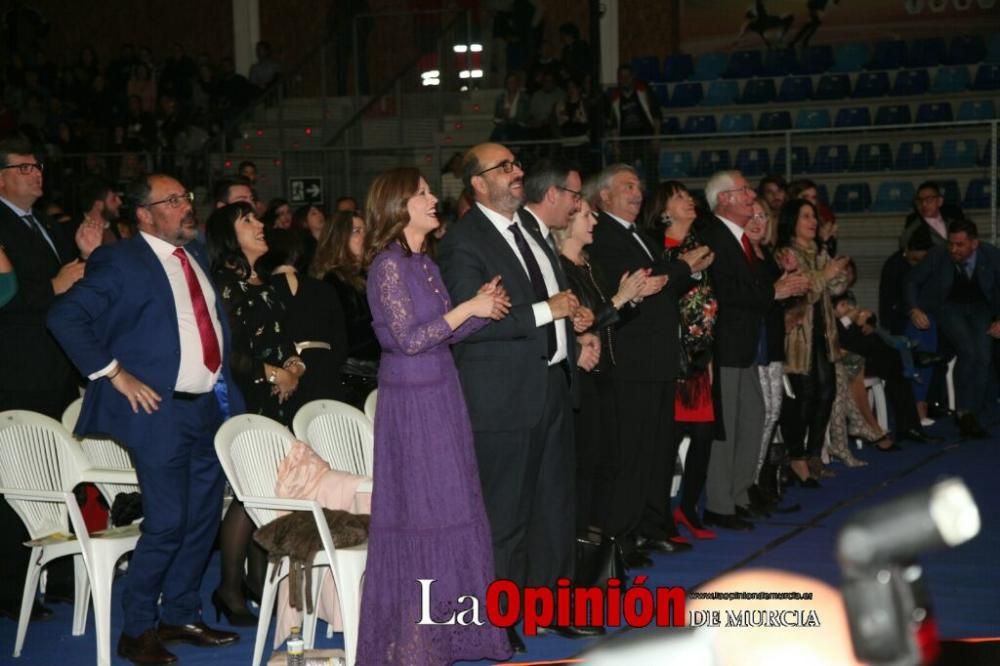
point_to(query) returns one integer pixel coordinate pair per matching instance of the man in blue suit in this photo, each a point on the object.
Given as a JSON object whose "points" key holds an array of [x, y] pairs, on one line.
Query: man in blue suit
{"points": [[147, 327], [959, 286]]}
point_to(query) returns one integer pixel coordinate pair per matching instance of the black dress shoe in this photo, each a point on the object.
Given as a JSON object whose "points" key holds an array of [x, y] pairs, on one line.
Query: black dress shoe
{"points": [[516, 644], [571, 631], [146, 649], [969, 428], [751, 512], [196, 633], [914, 435], [726, 521], [12, 611], [662, 545], [637, 559]]}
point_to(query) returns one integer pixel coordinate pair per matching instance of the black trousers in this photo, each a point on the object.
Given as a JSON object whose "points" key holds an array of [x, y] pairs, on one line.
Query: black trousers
{"points": [[647, 451], [804, 418], [596, 429], [527, 478], [695, 463]]}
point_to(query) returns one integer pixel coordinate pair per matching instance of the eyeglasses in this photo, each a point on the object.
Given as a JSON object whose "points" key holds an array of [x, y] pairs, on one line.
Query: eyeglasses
{"points": [[25, 168], [174, 200], [506, 165], [759, 216], [745, 189], [577, 196]]}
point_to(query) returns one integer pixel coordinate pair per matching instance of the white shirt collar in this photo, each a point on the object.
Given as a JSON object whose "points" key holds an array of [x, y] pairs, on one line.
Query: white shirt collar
{"points": [[501, 222], [160, 247], [628, 225], [735, 229], [542, 227], [19, 211]]}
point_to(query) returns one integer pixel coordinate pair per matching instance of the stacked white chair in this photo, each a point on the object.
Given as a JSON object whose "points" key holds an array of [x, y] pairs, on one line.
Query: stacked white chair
{"points": [[40, 464], [370, 403], [250, 449], [341, 434]]}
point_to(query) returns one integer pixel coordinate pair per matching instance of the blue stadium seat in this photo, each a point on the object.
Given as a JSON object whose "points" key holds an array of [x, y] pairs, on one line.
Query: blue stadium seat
{"points": [[779, 62], [910, 82], [721, 93], [888, 54], [831, 158], [872, 157], [736, 123], [934, 112], [758, 91], [965, 50], [773, 121], [677, 67], [709, 66], [993, 50], [915, 155], [815, 59], [855, 116], [823, 196], [744, 64], [870, 84], [987, 77], [795, 89], [710, 161], [675, 164], [670, 125], [647, 68], [833, 86], [753, 161], [894, 196], [852, 198], [893, 114], [958, 154], [662, 92], [926, 52], [849, 57], [800, 160], [812, 119], [701, 124], [686, 94], [951, 80], [977, 194], [950, 191], [979, 109]]}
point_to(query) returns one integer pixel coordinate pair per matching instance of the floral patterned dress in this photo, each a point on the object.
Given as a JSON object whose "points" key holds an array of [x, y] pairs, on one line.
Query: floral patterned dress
{"points": [[256, 318]]}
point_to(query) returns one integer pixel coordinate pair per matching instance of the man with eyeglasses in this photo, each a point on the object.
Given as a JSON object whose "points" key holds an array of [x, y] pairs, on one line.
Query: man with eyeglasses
{"points": [[147, 326], [745, 295], [36, 375], [517, 375], [929, 210]]}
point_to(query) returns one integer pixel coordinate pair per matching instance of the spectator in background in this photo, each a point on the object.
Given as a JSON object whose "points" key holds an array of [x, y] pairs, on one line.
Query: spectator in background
{"points": [[266, 70], [635, 113], [248, 169], [231, 190], [542, 106], [510, 111], [576, 58], [101, 206], [141, 84], [929, 211], [773, 190], [545, 63], [826, 236], [451, 185], [137, 131], [278, 215], [308, 221], [178, 74], [347, 203]]}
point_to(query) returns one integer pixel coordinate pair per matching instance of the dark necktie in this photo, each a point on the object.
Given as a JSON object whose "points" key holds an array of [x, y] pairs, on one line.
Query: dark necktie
{"points": [[638, 239], [747, 250], [209, 341], [537, 281], [35, 227]]}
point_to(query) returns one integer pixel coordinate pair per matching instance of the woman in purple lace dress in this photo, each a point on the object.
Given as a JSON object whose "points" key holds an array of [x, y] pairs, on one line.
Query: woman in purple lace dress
{"points": [[428, 519]]}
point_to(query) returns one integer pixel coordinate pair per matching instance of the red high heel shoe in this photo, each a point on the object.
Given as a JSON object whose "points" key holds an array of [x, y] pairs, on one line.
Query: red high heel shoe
{"points": [[699, 531]]}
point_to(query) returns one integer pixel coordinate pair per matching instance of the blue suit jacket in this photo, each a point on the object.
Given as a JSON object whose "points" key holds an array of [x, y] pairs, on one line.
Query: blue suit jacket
{"points": [[928, 284], [124, 309]]}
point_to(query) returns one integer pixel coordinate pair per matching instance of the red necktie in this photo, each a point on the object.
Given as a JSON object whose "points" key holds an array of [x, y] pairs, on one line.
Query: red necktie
{"points": [[209, 341], [747, 250]]}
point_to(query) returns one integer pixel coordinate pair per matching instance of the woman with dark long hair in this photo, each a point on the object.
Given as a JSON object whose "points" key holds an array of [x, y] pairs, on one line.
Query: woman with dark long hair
{"points": [[428, 520], [266, 368]]}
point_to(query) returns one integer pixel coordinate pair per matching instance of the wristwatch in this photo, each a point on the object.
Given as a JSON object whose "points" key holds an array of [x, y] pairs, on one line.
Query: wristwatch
{"points": [[272, 377]]}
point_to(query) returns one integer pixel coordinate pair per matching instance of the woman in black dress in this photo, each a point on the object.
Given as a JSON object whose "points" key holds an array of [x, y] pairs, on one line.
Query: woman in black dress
{"points": [[266, 368]]}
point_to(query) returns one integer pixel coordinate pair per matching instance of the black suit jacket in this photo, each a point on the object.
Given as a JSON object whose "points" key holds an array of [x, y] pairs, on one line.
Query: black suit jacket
{"points": [[647, 337], [30, 358], [504, 366], [745, 295]]}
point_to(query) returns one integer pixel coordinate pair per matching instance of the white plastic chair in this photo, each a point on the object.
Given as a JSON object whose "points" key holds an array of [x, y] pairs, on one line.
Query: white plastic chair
{"points": [[40, 464], [370, 403], [250, 449], [682, 451], [102, 454], [950, 383], [876, 396], [339, 433]]}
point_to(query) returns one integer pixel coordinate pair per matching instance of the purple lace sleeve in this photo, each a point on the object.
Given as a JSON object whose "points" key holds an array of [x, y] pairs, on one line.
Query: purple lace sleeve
{"points": [[471, 325], [395, 301]]}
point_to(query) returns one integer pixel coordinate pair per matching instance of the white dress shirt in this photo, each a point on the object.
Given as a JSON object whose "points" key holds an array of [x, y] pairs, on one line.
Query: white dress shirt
{"points": [[541, 309], [192, 376], [629, 226]]}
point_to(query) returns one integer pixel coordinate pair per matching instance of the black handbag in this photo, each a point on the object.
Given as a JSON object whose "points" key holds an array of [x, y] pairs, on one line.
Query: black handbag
{"points": [[599, 558]]}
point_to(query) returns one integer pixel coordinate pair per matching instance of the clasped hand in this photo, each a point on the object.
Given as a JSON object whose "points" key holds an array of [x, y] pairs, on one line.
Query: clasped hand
{"points": [[491, 301]]}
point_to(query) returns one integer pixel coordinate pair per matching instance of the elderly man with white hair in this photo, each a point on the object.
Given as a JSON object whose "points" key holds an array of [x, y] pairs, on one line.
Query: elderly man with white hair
{"points": [[744, 295]]}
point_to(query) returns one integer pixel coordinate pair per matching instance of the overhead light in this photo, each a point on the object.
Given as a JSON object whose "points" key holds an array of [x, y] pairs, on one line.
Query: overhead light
{"points": [[477, 73], [475, 48], [431, 74], [460, 48], [464, 74]]}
